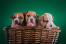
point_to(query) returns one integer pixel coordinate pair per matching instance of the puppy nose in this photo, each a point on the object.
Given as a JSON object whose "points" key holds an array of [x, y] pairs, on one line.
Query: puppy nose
{"points": [[16, 21], [45, 26], [31, 20]]}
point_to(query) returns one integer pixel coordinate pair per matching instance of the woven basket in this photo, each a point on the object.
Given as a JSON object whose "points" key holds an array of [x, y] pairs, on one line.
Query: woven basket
{"points": [[31, 35], [49, 36], [24, 35]]}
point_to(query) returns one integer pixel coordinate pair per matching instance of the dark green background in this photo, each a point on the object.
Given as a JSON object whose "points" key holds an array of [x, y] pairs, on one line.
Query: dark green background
{"points": [[56, 7]]}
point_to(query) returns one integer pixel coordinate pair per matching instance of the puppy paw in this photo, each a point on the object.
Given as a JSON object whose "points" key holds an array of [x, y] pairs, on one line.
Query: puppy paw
{"points": [[56, 28]]}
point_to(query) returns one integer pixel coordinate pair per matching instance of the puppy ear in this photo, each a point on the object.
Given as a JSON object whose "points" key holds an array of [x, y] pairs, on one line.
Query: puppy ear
{"points": [[36, 15], [40, 17], [12, 17], [53, 17]]}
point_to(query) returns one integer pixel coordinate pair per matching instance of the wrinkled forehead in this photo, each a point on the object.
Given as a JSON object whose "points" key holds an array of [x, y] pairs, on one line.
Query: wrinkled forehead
{"points": [[18, 14], [44, 16], [31, 13], [47, 15]]}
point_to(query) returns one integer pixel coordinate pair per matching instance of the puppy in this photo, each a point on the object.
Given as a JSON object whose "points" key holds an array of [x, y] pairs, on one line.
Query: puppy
{"points": [[30, 17], [46, 21], [17, 19]]}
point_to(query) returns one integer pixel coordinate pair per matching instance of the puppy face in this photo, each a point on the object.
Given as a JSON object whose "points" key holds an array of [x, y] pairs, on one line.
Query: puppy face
{"points": [[31, 17], [45, 19], [17, 18]]}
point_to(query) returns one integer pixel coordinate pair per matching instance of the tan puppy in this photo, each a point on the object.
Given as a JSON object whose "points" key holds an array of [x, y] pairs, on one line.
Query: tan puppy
{"points": [[46, 21], [17, 19], [30, 17]]}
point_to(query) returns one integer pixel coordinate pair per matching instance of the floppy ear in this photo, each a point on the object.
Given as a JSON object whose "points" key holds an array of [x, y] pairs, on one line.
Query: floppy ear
{"points": [[53, 17], [36, 15], [40, 17], [12, 17]]}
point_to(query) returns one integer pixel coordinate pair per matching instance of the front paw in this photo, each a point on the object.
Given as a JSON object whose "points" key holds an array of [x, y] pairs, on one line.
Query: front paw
{"points": [[56, 28]]}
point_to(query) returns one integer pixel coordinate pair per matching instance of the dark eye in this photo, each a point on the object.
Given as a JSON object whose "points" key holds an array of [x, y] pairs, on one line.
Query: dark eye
{"points": [[45, 21], [34, 16], [28, 15], [20, 17], [14, 17]]}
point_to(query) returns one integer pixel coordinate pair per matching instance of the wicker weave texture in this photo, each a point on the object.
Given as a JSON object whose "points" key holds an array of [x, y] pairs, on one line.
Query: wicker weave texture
{"points": [[32, 35]]}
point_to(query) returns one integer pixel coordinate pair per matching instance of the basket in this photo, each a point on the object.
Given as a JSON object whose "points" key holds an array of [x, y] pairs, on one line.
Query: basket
{"points": [[49, 36], [31, 35], [24, 35]]}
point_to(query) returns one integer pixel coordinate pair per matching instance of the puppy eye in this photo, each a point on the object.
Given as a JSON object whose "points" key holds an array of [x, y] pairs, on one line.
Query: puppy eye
{"points": [[45, 21], [28, 15], [14, 17], [34, 16]]}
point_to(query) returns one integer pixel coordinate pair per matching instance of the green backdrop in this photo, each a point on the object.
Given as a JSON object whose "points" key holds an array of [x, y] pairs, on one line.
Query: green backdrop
{"points": [[56, 7]]}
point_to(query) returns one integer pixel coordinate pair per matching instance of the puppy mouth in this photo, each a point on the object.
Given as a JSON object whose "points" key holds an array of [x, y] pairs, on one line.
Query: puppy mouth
{"points": [[31, 22], [16, 23]]}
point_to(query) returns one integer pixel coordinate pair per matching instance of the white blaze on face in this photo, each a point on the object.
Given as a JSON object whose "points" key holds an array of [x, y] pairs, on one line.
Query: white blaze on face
{"points": [[29, 23], [16, 18]]}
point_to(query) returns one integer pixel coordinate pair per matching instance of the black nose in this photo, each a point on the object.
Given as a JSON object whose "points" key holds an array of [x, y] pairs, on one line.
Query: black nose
{"points": [[50, 25], [16, 21], [31, 20], [45, 26]]}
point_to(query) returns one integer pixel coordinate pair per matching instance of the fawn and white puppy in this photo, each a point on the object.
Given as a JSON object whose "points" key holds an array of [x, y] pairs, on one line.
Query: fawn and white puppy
{"points": [[30, 17], [46, 21], [17, 19]]}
